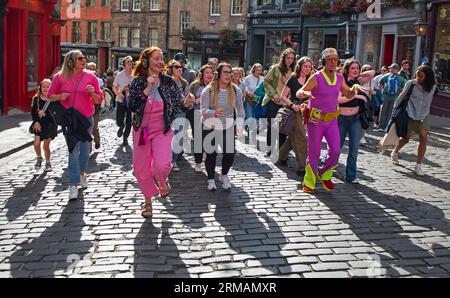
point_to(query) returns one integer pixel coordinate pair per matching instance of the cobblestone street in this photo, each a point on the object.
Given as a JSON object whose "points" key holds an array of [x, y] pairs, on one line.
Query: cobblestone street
{"points": [[392, 224]]}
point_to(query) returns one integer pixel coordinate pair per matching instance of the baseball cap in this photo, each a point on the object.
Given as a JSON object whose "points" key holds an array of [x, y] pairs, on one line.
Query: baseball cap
{"points": [[180, 57], [329, 52], [394, 65]]}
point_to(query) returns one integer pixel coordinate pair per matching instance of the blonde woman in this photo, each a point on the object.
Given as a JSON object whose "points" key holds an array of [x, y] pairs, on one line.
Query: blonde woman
{"points": [[220, 99]]}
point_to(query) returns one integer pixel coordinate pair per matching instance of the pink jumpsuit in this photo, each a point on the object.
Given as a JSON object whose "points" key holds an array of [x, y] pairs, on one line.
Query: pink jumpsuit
{"points": [[152, 149]]}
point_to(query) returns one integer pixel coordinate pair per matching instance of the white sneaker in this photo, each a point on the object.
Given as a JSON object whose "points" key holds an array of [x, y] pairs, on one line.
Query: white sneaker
{"points": [[83, 181], [418, 170], [225, 181], [355, 181], [212, 185], [363, 141], [175, 167], [198, 167], [73, 192], [394, 158]]}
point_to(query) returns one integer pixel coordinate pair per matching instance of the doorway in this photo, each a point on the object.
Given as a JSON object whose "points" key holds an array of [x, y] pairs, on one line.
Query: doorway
{"points": [[388, 56], [331, 41]]}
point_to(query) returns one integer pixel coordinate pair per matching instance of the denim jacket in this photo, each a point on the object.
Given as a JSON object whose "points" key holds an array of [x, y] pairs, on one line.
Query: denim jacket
{"points": [[170, 93]]}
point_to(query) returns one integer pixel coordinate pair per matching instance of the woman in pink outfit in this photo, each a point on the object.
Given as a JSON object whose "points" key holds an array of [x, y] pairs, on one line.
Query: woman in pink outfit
{"points": [[155, 101]]}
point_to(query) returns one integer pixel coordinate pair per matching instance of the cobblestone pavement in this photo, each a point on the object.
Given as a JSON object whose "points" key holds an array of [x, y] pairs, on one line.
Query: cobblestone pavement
{"points": [[392, 224]]}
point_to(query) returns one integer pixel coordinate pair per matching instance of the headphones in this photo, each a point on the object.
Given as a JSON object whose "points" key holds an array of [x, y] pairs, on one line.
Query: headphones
{"points": [[218, 71], [144, 62], [70, 61]]}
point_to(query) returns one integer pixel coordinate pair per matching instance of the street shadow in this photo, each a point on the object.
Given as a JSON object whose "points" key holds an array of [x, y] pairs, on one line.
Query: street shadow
{"points": [[123, 156], [433, 181], [25, 197], [94, 166], [153, 259], [369, 215], [251, 233], [247, 163], [59, 249]]}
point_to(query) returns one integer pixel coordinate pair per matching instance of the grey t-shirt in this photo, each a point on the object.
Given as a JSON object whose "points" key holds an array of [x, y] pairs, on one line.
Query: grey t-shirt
{"points": [[420, 102], [188, 75], [121, 81], [227, 118]]}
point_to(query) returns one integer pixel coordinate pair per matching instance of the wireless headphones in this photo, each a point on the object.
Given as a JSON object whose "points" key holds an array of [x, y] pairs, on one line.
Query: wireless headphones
{"points": [[70, 61], [218, 71]]}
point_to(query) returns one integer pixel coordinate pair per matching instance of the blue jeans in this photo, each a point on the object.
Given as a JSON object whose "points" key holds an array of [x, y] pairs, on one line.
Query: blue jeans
{"points": [[78, 159], [248, 110], [350, 125]]}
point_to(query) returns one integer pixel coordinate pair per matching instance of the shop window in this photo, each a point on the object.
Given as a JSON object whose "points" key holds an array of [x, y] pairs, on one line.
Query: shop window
{"points": [[195, 61], [442, 49], [33, 52], [372, 46], [315, 45]]}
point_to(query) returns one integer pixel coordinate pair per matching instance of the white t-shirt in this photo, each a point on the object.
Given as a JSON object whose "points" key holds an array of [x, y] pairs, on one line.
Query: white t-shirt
{"points": [[251, 82], [120, 82]]}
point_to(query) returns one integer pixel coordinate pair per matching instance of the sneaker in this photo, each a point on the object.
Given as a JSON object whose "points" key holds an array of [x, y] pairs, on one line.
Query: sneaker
{"points": [[120, 132], [38, 163], [73, 193], [418, 170], [327, 184], [268, 153], [394, 158], [175, 167], [363, 141], [83, 181], [282, 163], [48, 167], [225, 181], [198, 167], [307, 189], [354, 181], [212, 185]]}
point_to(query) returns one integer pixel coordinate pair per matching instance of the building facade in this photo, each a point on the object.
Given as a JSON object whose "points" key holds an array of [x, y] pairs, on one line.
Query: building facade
{"points": [[88, 28], [32, 57], [205, 29], [138, 25], [438, 50]]}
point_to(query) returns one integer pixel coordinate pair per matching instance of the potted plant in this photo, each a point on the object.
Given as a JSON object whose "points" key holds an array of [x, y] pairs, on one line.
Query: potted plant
{"points": [[228, 37]]}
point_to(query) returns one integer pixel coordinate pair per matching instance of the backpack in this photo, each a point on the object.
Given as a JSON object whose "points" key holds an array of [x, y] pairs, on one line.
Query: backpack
{"points": [[393, 85], [260, 111]]}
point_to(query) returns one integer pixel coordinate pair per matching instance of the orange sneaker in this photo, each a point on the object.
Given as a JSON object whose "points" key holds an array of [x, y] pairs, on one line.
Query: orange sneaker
{"points": [[327, 184]]}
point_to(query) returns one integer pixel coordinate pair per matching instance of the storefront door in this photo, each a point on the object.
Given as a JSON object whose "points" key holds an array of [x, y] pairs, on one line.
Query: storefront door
{"points": [[388, 51]]}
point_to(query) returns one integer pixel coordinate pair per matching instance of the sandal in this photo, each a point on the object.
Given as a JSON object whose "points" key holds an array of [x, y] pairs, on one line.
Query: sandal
{"points": [[147, 210], [164, 193]]}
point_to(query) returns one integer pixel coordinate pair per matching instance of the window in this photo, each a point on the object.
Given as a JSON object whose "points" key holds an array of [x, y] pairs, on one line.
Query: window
{"points": [[90, 3], [33, 52], [265, 2], [91, 36], [105, 28], [76, 32], [106, 3], [136, 5], [124, 5], [292, 1], [441, 61], [185, 19], [214, 8], [154, 5], [135, 38], [236, 7], [152, 37], [123, 42]]}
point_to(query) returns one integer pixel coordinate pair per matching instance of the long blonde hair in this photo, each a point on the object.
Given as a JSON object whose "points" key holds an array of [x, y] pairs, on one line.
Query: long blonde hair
{"points": [[68, 66], [214, 85]]}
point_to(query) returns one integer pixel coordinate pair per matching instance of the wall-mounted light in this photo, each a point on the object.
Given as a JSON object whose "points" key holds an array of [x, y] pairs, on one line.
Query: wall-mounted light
{"points": [[421, 28]]}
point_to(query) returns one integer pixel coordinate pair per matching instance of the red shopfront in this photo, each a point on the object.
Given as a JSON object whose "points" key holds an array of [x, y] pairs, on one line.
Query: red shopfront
{"points": [[31, 49]]}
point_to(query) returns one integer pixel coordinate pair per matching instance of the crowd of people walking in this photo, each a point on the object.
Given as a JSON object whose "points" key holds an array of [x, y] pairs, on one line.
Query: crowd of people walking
{"points": [[157, 102]]}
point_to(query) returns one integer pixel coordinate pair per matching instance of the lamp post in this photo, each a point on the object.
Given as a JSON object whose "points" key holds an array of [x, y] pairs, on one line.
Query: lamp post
{"points": [[421, 27]]}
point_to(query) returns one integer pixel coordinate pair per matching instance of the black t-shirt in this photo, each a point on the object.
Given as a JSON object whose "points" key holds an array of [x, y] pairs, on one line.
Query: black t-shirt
{"points": [[294, 85], [354, 102]]}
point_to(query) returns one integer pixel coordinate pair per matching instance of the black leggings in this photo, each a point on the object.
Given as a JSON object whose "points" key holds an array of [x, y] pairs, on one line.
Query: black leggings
{"points": [[272, 110], [190, 115], [228, 153]]}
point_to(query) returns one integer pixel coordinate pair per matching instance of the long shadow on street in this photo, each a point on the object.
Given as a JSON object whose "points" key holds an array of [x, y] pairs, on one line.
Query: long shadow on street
{"points": [[370, 218], [58, 248]]}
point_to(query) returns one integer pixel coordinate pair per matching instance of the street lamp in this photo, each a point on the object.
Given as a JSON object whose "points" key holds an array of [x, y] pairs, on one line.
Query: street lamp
{"points": [[421, 28]]}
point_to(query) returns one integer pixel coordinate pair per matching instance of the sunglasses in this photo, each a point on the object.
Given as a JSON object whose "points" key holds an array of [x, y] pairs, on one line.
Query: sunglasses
{"points": [[227, 72], [176, 66], [81, 58]]}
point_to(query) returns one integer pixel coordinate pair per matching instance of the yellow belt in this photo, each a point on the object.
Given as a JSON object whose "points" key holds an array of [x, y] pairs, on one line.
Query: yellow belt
{"points": [[328, 117]]}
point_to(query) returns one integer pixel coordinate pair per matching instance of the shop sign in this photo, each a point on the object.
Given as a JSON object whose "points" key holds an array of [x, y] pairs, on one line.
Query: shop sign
{"points": [[270, 22], [444, 13]]}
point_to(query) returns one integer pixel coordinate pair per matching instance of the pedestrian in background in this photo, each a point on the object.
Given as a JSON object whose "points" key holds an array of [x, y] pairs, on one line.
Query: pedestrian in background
{"points": [[43, 127], [91, 66], [392, 85], [251, 82], [174, 69], [274, 83], [418, 108], [120, 87], [377, 98], [187, 74], [213, 62], [155, 101], [205, 76], [77, 89], [220, 100], [405, 71]]}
